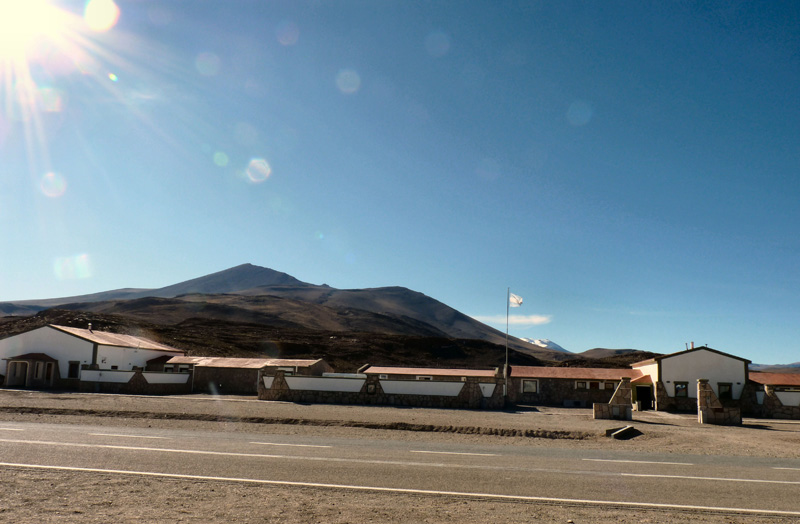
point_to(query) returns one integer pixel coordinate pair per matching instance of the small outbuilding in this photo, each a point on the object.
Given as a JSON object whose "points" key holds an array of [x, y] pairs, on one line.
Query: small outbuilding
{"points": [[237, 376]]}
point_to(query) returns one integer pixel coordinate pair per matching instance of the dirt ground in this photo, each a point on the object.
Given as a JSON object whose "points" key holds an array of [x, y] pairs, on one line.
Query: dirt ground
{"points": [[28, 496]]}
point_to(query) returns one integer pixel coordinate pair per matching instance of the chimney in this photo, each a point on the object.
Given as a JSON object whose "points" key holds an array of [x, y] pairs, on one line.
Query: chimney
{"points": [[692, 344]]}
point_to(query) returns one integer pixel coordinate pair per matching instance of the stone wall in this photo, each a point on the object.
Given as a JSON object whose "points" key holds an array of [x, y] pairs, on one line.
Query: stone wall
{"points": [[557, 392], [372, 393], [711, 411], [225, 381], [773, 407], [620, 406]]}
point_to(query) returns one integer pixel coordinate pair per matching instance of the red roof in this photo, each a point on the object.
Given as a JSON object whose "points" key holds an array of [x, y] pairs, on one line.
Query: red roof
{"points": [[384, 370], [574, 373], [775, 379]]}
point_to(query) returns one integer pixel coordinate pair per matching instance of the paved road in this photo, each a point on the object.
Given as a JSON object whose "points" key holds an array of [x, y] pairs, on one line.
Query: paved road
{"points": [[741, 483]]}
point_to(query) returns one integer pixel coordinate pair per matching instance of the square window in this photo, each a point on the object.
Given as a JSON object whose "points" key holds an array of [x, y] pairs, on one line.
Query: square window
{"points": [[530, 386], [580, 385], [725, 391], [611, 385], [594, 385], [681, 389], [424, 377]]}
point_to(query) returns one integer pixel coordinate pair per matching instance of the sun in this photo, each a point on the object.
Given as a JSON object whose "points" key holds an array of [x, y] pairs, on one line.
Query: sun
{"points": [[23, 23]]}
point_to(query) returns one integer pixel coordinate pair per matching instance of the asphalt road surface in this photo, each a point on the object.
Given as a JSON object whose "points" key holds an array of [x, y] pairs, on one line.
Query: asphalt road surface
{"points": [[744, 484]]}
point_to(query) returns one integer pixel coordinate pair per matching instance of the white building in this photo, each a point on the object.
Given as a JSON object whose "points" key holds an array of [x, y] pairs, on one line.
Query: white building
{"points": [[675, 377], [56, 356]]}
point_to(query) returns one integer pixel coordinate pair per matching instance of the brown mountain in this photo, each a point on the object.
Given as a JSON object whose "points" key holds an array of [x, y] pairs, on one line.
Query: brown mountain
{"points": [[247, 296]]}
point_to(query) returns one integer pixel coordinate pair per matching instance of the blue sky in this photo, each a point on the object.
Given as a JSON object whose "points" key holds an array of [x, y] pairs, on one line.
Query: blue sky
{"points": [[629, 168]]}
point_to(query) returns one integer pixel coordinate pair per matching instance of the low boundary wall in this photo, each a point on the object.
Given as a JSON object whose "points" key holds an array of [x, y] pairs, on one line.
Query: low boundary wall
{"points": [[135, 382], [472, 393]]}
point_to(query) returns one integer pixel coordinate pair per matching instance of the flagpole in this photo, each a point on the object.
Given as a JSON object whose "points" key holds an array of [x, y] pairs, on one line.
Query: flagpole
{"points": [[505, 368]]}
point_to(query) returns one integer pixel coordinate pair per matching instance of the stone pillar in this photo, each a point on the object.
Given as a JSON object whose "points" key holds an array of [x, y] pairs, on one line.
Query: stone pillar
{"points": [[620, 406], [711, 411]]}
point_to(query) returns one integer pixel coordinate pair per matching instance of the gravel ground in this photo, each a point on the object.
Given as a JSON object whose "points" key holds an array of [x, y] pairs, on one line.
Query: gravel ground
{"points": [[28, 496]]}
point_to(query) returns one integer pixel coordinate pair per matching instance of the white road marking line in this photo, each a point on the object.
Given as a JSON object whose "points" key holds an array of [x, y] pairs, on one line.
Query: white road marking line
{"points": [[290, 445], [641, 462], [11, 429], [126, 436], [724, 479], [791, 469], [521, 498], [454, 453]]}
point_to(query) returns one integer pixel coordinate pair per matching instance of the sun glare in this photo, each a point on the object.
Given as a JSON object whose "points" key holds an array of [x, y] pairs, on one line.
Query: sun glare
{"points": [[23, 23]]}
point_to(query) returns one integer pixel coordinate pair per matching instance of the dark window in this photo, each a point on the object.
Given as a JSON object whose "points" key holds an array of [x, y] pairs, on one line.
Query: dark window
{"points": [[611, 385], [724, 391], [681, 389], [594, 385], [48, 371], [74, 370]]}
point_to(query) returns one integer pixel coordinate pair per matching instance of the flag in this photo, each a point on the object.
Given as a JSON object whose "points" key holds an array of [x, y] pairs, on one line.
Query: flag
{"points": [[514, 300]]}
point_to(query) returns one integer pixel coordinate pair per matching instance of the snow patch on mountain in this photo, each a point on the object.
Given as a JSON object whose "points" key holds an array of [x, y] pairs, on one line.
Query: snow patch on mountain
{"points": [[544, 343]]}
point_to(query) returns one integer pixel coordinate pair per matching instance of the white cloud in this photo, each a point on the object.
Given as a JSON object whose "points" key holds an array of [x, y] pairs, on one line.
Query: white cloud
{"points": [[516, 320]]}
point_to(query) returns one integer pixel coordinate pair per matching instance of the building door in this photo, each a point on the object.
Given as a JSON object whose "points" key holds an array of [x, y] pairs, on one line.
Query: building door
{"points": [[17, 374], [644, 397]]}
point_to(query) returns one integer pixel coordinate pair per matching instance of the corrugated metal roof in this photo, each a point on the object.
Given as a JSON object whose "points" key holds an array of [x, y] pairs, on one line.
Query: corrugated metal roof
{"points": [[384, 370], [775, 379], [244, 363], [574, 373], [113, 339]]}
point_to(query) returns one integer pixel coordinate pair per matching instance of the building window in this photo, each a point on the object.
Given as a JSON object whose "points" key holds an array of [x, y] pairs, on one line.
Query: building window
{"points": [[74, 370], [184, 368], [383, 377], [530, 386], [681, 389], [169, 369], [38, 369], [611, 385], [580, 385], [48, 372], [114, 367], [594, 385], [724, 389], [424, 377]]}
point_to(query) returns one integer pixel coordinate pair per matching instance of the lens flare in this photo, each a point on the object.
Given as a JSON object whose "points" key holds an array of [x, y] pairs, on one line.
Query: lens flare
{"points": [[221, 159], [76, 267], [101, 15], [258, 170], [348, 81], [288, 33], [53, 185]]}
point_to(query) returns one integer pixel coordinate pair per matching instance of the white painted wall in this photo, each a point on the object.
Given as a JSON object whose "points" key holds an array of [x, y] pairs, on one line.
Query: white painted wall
{"points": [[105, 375], [126, 358], [57, 344], [422, 387], [348, 385], [650, 369], [694, 365], [153, 377], [789, 398]]}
